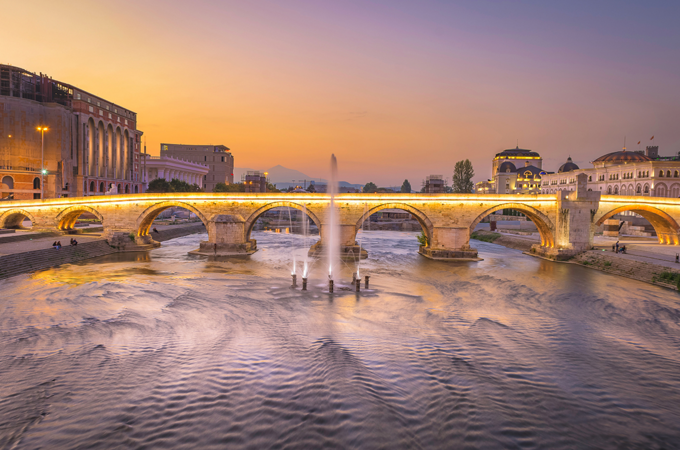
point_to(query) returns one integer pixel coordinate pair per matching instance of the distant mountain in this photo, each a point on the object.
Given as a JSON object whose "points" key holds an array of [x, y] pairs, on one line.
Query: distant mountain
{"points": [[284, 177]]}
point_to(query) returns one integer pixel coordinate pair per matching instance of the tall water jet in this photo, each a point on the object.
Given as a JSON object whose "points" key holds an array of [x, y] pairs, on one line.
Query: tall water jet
{"points": [[333, 237]]}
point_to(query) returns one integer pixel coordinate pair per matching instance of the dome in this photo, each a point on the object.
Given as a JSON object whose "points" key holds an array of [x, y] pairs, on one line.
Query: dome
{"points": [[517, 152], [507, 166], [567, 166], [623, 156]]}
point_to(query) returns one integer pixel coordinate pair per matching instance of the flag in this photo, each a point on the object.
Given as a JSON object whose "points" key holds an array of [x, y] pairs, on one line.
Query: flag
{"points": [[639, 142], [652, 138]]}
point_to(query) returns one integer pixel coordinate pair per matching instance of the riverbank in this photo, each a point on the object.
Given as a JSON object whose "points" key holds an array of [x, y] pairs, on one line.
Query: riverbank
{"points": [[645, 260], [38, 254]]}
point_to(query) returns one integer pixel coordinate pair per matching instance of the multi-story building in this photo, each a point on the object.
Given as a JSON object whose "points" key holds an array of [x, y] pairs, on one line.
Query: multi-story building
{"points": [[91, 145], [622, 173], [255, 181], [434, 184], [218, 158], [170, 168], [510, 177]]}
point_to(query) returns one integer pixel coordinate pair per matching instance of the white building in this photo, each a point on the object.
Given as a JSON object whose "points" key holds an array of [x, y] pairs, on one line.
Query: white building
{"points": [[622, 173], [514, 171], [170, 168]]}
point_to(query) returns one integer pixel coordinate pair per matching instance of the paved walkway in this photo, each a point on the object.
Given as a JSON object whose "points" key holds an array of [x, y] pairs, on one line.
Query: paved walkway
{"points": [[645, 249], [9, 248]]}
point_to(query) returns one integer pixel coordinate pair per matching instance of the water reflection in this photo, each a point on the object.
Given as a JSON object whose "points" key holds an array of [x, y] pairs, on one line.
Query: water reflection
{"points": [[167, 350]]}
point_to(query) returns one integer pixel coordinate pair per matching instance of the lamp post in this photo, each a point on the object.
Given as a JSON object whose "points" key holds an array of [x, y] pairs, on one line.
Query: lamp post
{"points": [[42, 163]]}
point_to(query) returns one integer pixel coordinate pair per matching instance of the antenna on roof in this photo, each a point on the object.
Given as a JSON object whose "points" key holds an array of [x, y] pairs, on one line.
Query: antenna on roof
{"points": [[517, 143]]}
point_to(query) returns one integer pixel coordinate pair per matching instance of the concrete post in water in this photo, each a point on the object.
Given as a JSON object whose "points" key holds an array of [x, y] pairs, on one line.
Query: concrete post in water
{"points": [[366, 284], [304, 284], [294, 281], [330, 286], [354, 277], [357, 284]]}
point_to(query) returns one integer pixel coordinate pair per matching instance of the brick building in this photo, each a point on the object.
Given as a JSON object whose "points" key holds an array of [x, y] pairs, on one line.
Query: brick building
{"points": [[91, 145], [217, 157]]}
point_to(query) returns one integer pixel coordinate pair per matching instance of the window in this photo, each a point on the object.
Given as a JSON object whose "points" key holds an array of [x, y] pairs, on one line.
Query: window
{"points": [[36, 183], [590, 178], [660, 173], [646, 189], [99, 104]]}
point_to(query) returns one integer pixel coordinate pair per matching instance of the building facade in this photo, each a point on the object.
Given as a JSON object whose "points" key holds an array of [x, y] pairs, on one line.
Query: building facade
{"points": [[218, 158], [514, 171], [91, 146], [254, 181], [622, 173], [170, 168]]}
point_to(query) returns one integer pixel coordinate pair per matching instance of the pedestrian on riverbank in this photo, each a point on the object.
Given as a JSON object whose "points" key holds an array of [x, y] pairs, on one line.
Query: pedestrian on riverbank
{"points": [[58, 245], [613, 247], [617, 246], [54, 245], [155, 230]]}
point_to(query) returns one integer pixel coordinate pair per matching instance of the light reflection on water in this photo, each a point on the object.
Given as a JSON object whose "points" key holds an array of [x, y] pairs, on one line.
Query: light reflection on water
{"points": [[167, 350]]}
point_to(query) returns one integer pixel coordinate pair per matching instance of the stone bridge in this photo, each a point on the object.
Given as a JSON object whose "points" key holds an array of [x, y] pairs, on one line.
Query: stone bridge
{"points": [[566, 221]]}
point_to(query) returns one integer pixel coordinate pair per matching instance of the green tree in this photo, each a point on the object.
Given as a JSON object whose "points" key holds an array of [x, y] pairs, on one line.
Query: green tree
{"points": [[233, 187], [159, 185], [406, 187], [370, 188], [462, 177], [272, 188], [311, 188]]}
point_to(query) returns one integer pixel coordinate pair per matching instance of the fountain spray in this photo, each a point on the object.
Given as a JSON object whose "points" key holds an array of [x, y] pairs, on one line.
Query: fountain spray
{"points": [[333, 238]]}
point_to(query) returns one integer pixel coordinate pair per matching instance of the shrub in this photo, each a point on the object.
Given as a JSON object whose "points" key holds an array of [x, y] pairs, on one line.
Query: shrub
{"points": [[486, 237]]}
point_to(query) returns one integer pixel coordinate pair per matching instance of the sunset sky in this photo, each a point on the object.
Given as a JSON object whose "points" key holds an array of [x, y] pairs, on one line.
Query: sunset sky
{"points": [[396, 89]]}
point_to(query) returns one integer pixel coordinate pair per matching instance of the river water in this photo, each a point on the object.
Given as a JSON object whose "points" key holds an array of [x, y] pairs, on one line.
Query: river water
{"points": [[170, 351]]}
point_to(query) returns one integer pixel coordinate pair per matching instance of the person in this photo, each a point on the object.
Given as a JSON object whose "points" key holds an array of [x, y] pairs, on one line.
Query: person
{"points": [[623, 249], [54, 245], [58, 245], [155, 230], [75, 242], [613, 247], [617, 246], [71, 241]]}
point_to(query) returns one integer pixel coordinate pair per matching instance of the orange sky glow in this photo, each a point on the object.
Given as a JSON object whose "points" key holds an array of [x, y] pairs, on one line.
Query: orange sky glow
{"points": [[395, 89]]}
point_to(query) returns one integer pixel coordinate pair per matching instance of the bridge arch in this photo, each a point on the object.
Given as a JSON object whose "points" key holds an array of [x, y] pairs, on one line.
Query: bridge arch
{"points": [[14, 218], [147, 217], [66, 219], [424, 221], [666, 227], [542, 222], [250, 221]]}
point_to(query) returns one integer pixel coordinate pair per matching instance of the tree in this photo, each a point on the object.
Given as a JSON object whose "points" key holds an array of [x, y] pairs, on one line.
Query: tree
{"points": [[311, 188], [462, 177], [159, 185], [272, 188], [406, 187], [370, 188], [233, 187]]}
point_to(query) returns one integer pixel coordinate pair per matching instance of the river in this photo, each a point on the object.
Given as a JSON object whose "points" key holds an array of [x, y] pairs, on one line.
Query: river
{"points": [[166, 350]]}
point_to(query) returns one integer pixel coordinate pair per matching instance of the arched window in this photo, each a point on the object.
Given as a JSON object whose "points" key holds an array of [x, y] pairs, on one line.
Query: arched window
{"points": [[127, 189], [8, 181], [668, 174], [136, 189], [675, 174], [616, 190], [36, 183], [639, 189], [590, 178], [660, 173], [646, 189], [92, 188], [119, 188], [609, 190], [101, 187]]}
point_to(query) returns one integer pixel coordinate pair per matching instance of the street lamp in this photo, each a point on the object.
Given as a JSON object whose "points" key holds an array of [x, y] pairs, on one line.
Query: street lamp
{"points": [[42, 164]]}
